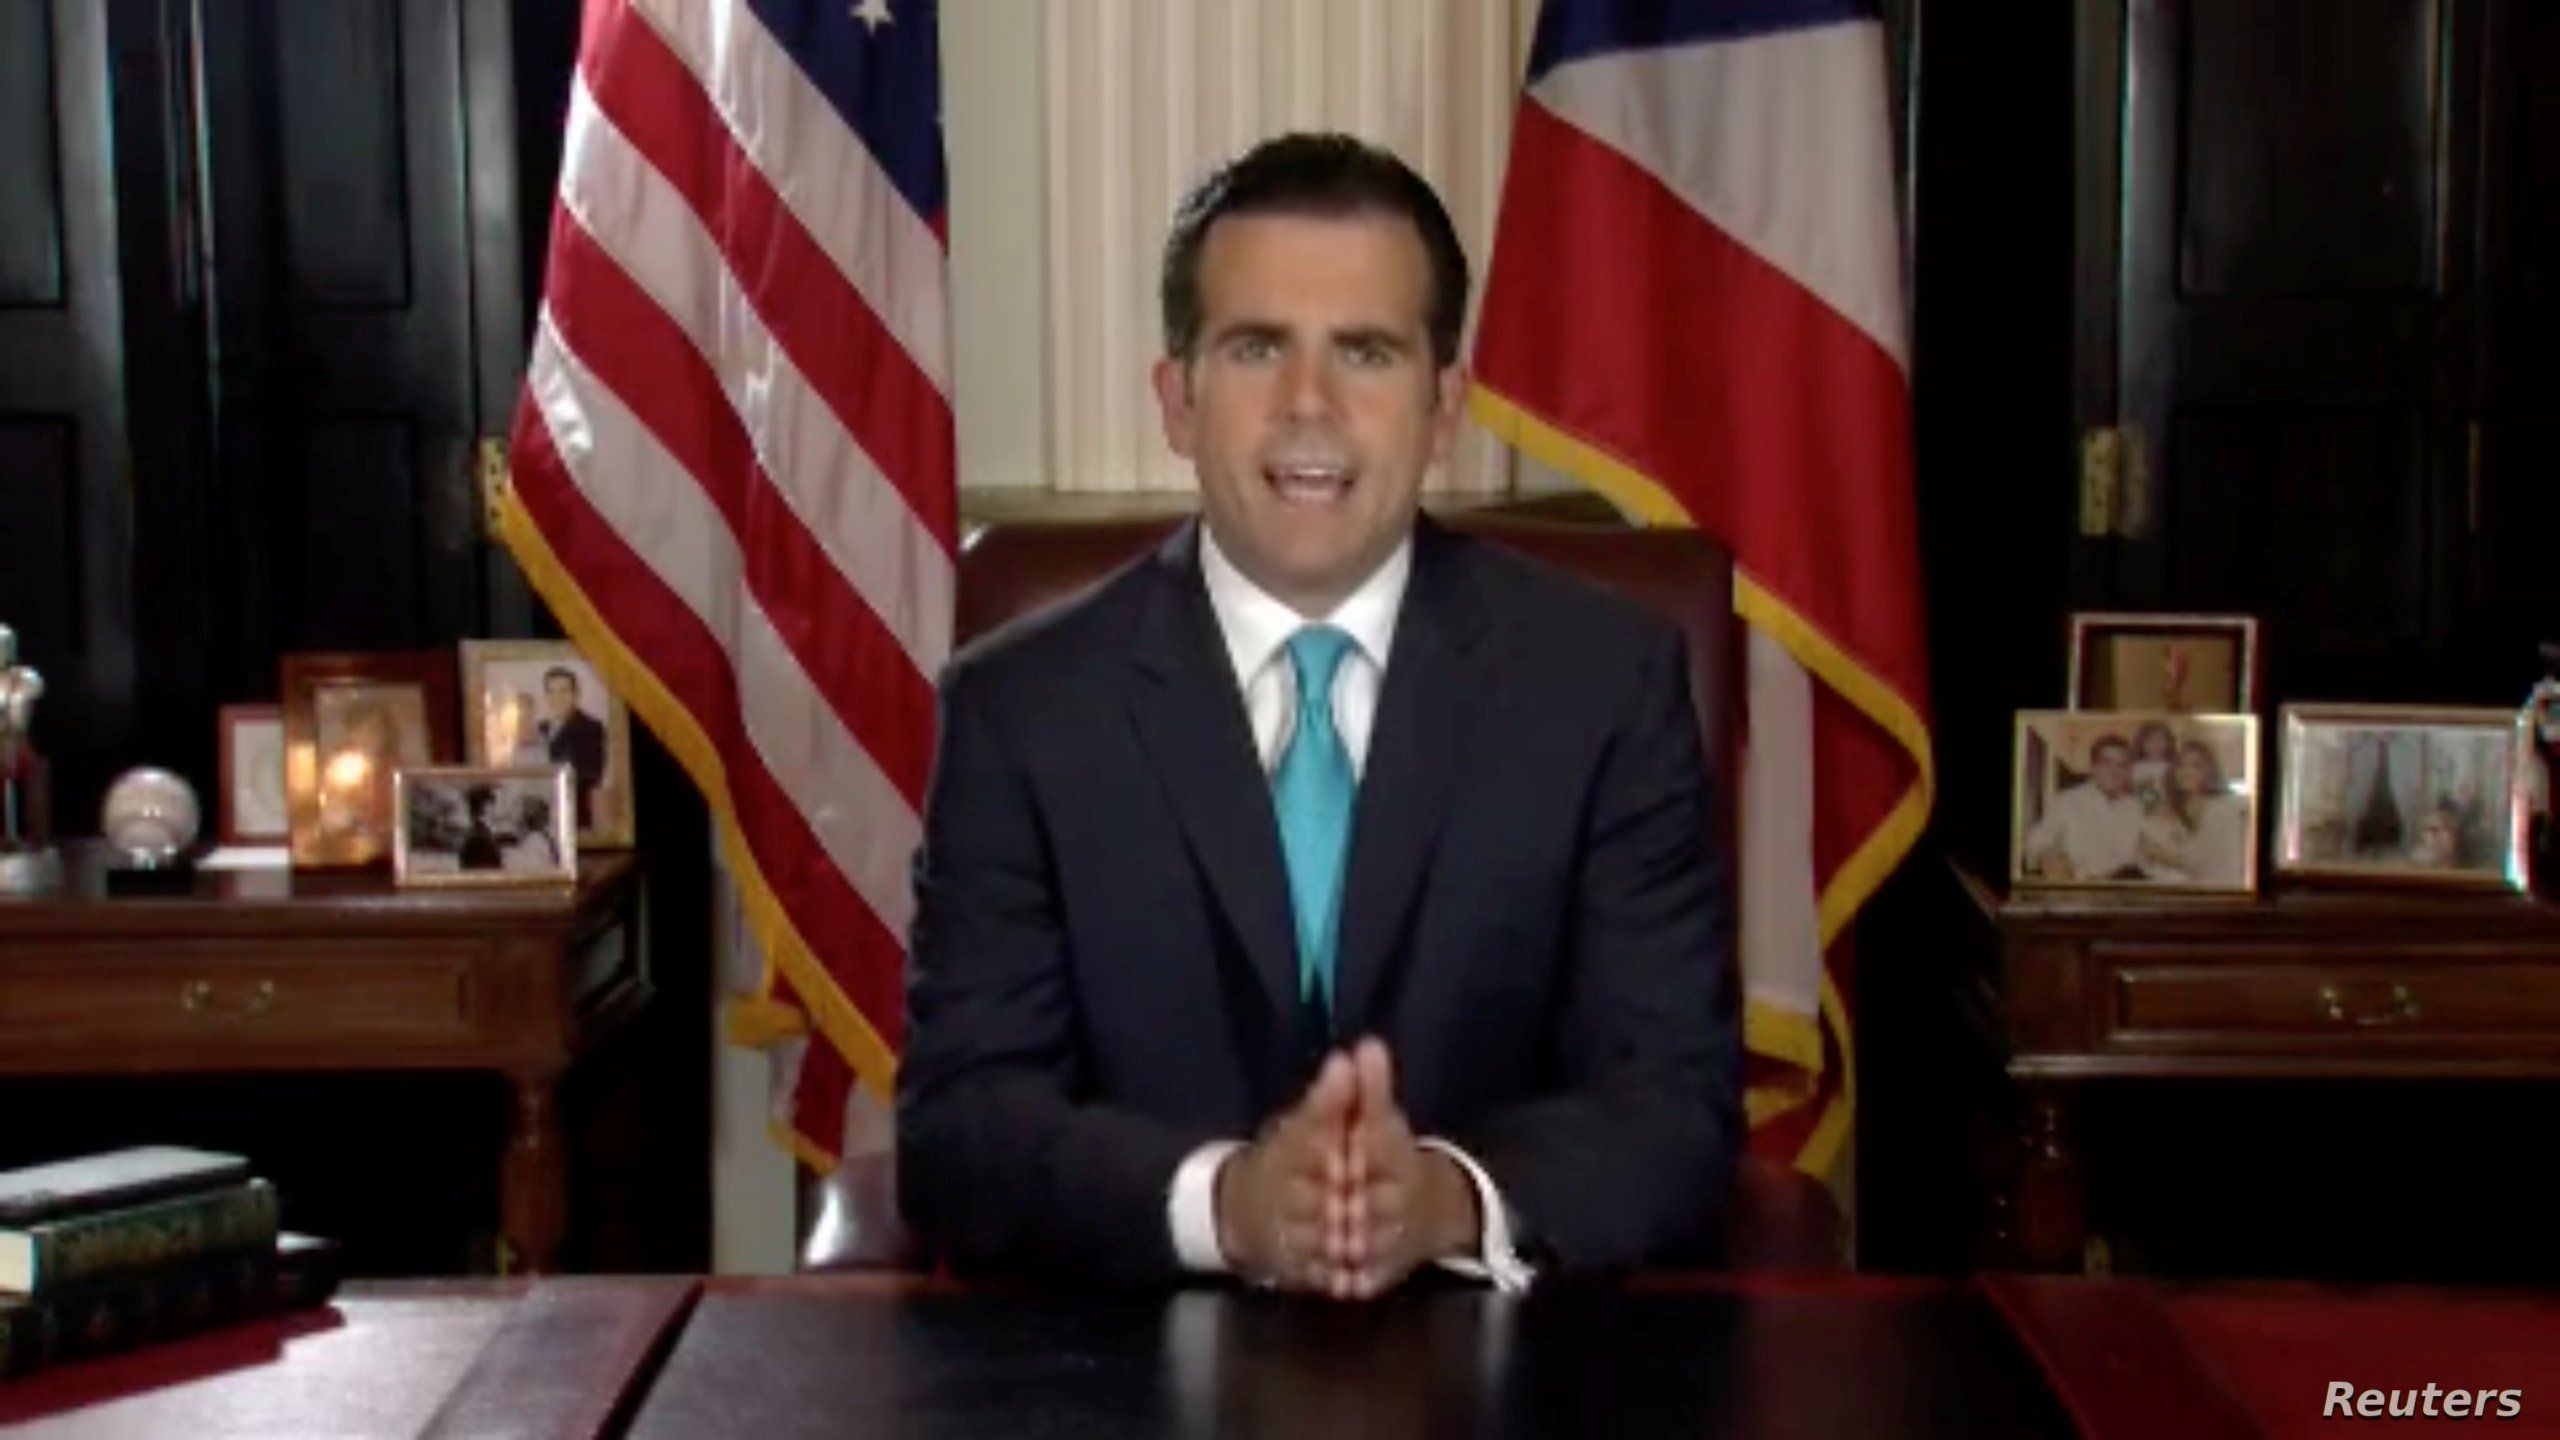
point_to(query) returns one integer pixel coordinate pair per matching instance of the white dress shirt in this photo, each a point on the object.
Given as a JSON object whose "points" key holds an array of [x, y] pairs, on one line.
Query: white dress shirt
{"points": [[2099, 834], [1256, 626]]}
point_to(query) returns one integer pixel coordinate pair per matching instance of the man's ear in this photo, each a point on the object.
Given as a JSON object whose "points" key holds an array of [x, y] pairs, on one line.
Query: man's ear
{"points": [[1172, 376], [1449, 406]]}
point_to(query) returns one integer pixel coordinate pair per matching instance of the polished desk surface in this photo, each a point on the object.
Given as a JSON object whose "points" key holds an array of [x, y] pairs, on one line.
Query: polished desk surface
{"points": [[264, 895], [1844, 1357], [853, 1355], [377, 1362]]}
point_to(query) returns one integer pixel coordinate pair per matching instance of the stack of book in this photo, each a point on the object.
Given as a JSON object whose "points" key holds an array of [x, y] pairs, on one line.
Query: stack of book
{"points": [[111, 1251]]}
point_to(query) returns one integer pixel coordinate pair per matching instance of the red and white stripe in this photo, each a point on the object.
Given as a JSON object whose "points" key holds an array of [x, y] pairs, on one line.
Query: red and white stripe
{"points": [[1696, 299], [1779, 147], [738, 443]]}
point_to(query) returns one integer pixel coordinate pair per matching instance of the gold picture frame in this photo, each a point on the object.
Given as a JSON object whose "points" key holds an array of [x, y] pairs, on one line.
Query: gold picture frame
{"points": [[249, 759], [2403, 795], [351, 720], [2188, 664], [517, 710], [483, 825], [2140, 800]]}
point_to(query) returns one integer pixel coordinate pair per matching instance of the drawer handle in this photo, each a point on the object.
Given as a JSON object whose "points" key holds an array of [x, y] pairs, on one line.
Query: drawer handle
{"points": [[196, 997], [2403, 1009]]}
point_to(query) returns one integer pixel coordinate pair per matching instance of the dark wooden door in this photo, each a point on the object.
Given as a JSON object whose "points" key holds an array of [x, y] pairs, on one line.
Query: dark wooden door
{"points": [[334, 154], [2515, 591], [261, 286], [2285, 192], [100, 423], [64, 586]]}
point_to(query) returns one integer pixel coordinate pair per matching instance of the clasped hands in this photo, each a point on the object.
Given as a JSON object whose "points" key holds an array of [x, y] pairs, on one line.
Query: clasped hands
{"points": [[1336, 1197]]}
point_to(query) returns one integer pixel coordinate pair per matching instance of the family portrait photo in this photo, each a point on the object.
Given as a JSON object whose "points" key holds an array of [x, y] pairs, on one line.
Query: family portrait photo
{"points": [[484, 825], [2410, 793], [539, 702], [2139, 799]]}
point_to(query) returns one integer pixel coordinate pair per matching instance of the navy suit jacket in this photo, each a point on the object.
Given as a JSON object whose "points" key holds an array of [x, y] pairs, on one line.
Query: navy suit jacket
{"points": [[578, 742], [1536, 919]]}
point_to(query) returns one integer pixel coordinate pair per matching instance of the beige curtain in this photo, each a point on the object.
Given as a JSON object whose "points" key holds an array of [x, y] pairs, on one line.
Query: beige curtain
{"points": [[1141, 97]]}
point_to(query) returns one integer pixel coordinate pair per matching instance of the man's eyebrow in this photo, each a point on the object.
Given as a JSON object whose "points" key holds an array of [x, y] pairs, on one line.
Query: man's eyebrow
{"points": [[1248, 330], [1380, 336]]}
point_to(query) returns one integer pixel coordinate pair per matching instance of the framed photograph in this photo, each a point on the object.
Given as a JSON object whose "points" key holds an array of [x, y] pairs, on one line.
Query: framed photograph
{"points": [[2154, 800], [2188, 664], [350, 721], [483, 825], [2403, 793], [250, 742], [539, 702]]}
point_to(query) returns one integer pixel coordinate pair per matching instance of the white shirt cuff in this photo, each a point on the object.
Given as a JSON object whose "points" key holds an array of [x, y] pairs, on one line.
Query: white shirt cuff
{"points": [[1496, 1260], [1192, 1208]]}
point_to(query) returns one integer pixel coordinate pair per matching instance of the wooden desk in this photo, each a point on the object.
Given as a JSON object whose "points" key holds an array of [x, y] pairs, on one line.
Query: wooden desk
{"points": [[2134, 1360], [1835, 1355], [2300, 984], [379, 1361], [1675, 1355], [270, 970]]}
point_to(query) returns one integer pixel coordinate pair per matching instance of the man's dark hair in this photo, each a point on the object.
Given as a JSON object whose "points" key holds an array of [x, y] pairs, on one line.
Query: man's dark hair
{"points": [[1325, 175], [478, 799], [2105, 743], [561, 672]]}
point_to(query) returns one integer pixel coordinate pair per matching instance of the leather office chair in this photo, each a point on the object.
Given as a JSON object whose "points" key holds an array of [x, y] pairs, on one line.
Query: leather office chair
{"points": [[1777, 1219]]}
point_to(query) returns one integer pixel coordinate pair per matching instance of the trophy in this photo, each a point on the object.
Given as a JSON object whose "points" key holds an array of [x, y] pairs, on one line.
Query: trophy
{"points": [[28, 862]]}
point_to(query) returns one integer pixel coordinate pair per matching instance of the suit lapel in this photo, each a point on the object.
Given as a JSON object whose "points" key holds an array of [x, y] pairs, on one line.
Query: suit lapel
{"points": [[1192, 722], [1437, 683]]}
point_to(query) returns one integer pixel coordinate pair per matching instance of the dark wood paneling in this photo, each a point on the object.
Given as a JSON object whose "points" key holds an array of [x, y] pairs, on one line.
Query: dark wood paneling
{"points": [[2512, 490], [2525, 158], [359, 546], [166, 401], [2309, 167], [345, 338], [2290, 324], [67, 511], [2312, 514], [39, 512], [30, 198], [338, 90]]}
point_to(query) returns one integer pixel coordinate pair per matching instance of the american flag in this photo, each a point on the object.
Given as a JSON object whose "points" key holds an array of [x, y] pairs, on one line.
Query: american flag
{"points": [[1695, 305], [732, 471]]}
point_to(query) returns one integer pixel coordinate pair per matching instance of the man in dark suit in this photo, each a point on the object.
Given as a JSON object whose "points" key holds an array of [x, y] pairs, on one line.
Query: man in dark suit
{"points": [[574, 738], [479, 842], [1325, 895]]}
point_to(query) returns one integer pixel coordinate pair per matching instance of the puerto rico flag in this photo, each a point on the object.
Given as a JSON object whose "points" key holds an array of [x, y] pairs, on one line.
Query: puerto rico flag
{"points": [[733, 470], [1695, 306]]}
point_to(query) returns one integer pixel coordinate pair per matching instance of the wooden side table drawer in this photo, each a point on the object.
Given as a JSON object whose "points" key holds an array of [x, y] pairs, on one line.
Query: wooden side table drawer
{"points": [[242, 996], [2348, 997]]}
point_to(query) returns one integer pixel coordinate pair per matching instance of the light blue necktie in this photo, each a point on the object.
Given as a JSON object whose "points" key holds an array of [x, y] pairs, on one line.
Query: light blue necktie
{"points": [[1311, 791]]}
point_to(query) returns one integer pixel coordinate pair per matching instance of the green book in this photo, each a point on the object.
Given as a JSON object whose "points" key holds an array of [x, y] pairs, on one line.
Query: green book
{"points": [[112, 1180], [124, 1310], [26, 1336], [37, 1258], [121, 1310]]}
